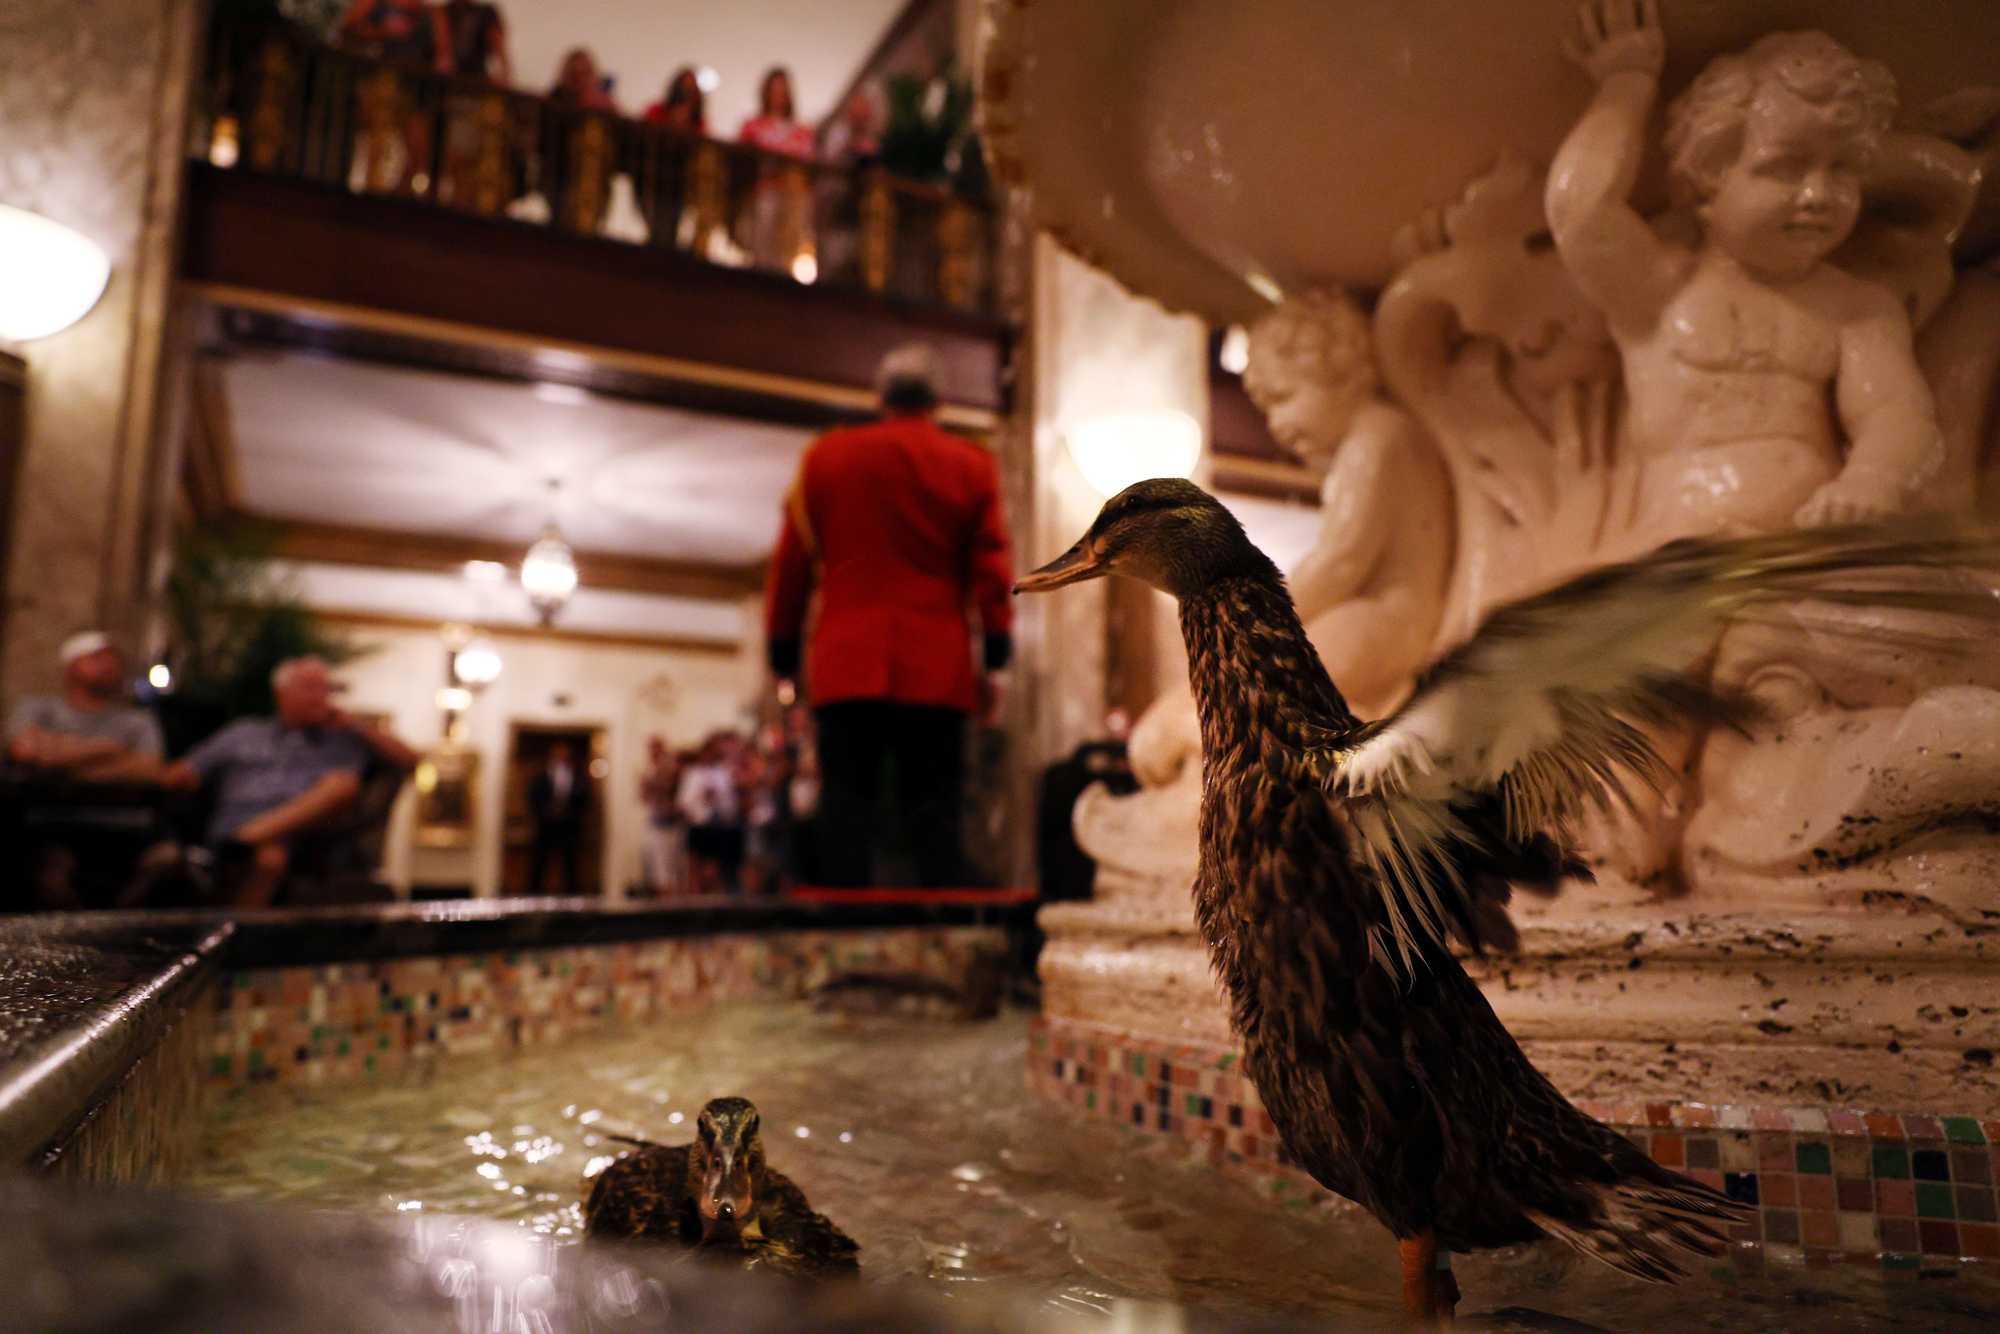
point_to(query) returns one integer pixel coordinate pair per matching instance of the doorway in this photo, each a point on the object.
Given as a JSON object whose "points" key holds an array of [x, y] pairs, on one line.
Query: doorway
{"points": [[529, 748]]}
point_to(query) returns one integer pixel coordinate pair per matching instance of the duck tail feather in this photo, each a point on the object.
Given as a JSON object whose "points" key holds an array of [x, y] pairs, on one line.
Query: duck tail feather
{"points": [[1638, 1224]]}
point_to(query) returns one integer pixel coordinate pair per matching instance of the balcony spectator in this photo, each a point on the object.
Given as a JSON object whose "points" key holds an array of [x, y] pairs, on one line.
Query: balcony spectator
{"points": [[278, 781], [851, 144], [476, 38], [853, 140], [579, 85], [901, 527], [777, 225], [399, 32], [684, 107], [775, 128]]}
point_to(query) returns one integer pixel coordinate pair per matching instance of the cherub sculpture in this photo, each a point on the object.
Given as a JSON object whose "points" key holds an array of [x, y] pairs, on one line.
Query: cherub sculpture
{"points": [[1771, 380], [1765, 386], [1371, 590]]}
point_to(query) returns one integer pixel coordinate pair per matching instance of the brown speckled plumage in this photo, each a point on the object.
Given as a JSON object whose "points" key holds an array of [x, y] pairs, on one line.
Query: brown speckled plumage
{"points": [[1396, 1087], [668, 1193]]}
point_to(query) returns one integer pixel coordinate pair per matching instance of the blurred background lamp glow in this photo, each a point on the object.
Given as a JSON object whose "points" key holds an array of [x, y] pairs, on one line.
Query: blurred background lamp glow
{"points": [[454, 699], [707, 79], [486, 572], [1115, 449], [476, 665], [548, 574], [1234, 354], [50, 276], [160, 676]]}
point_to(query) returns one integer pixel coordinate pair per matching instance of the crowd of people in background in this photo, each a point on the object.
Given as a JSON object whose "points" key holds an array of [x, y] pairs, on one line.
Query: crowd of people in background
{"points": [[468, 39], [735, 813]]}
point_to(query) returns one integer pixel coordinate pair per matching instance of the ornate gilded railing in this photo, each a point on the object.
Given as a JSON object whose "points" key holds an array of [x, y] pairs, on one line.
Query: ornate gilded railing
{"points": [[280, 102]]}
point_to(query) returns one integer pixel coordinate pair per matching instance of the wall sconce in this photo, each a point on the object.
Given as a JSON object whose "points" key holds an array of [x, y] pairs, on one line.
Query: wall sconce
{"points": [[1115, 449], [50, 276]]}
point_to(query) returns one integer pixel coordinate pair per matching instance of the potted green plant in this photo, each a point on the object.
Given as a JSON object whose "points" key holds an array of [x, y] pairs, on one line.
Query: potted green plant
{"points": [[233, 618]]}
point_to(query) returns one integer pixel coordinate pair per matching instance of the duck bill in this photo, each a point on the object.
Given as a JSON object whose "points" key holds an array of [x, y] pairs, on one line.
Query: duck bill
{"points": [[1073, 566], [726, 1199]]}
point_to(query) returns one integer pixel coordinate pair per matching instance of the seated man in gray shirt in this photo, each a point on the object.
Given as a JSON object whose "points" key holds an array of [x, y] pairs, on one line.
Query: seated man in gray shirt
{"points": [[276, 779], [88, 731]]}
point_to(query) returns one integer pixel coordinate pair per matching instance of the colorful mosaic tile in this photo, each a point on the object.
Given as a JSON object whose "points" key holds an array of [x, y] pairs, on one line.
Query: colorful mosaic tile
{"points": [[1901, 1192], [363, 1020]]}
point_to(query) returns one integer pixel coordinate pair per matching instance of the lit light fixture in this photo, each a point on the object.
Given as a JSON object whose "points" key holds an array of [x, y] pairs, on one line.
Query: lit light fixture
{"points": [[225, 142], [477, 665], [805, 268], [1115, 449], [568, 395], [50, 276], [486, 572], [160, 677], [1234, 354], [548, 571], [454, 699], [707, 79]]}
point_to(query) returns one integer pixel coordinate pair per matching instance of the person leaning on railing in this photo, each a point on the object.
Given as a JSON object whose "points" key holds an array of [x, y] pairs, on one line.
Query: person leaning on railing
{"points": [[776, 226]]}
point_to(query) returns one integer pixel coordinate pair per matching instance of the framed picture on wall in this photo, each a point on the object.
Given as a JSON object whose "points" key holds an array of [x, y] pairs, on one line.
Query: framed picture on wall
{"points": [[447, 782]]}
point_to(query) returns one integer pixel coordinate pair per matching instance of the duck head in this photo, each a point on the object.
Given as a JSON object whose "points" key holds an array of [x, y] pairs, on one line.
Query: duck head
{"points": [[726, 1168], [1167, 532]]}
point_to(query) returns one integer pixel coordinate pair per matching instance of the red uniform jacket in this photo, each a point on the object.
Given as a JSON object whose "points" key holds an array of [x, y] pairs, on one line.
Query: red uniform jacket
{"points": [[901, 527]]}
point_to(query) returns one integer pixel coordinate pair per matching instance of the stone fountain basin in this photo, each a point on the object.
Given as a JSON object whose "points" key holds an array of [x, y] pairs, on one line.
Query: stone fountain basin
{"points": [[1210, 155]]}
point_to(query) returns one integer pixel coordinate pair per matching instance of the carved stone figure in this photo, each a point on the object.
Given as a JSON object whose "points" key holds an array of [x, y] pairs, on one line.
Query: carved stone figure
{"points": [[1371, 591], [1735, 346], [1767, 386], [1485, 338]]}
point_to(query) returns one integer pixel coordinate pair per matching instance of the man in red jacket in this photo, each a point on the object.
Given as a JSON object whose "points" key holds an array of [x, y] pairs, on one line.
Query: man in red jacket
{"points": [[900, 526]]}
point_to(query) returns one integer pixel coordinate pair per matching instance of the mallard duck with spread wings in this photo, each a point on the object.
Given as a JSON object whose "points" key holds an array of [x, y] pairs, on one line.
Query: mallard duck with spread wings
{"points": [[1338, 857]]}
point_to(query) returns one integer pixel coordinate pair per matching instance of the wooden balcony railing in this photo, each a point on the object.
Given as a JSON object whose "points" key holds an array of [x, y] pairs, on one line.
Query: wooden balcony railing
{"points": [[281, 102]]}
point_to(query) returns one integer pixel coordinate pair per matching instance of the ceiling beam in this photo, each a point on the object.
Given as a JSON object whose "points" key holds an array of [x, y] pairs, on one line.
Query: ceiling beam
{"points": [[370, 620], [337, 544]]}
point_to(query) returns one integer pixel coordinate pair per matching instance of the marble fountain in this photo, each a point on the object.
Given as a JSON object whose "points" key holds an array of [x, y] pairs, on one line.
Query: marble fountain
{"points": [[1533, 288]]}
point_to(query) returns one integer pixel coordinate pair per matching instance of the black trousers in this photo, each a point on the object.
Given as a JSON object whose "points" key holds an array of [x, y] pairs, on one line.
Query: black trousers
{"points": [[857, 740], [558, 843]]}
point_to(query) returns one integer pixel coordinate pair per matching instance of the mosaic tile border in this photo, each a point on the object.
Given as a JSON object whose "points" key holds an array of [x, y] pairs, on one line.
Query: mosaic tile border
{"points": [[368, 1019], [1902, 1191]]}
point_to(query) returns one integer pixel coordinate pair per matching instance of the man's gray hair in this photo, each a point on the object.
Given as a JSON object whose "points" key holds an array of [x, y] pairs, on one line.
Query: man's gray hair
{"points": [[907, 379]]}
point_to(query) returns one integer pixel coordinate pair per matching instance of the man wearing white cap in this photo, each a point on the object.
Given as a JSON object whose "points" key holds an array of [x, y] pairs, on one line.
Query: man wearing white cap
{"points": [[899, 527], [87, 731]]}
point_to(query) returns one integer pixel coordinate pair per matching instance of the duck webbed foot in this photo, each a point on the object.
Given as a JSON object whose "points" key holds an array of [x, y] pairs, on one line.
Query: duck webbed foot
{"points": [[1430, 1293]]}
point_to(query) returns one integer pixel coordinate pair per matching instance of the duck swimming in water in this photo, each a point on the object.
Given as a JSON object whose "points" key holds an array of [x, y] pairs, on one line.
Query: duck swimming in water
{"points": [[1337, 857], [717, 1194]]}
